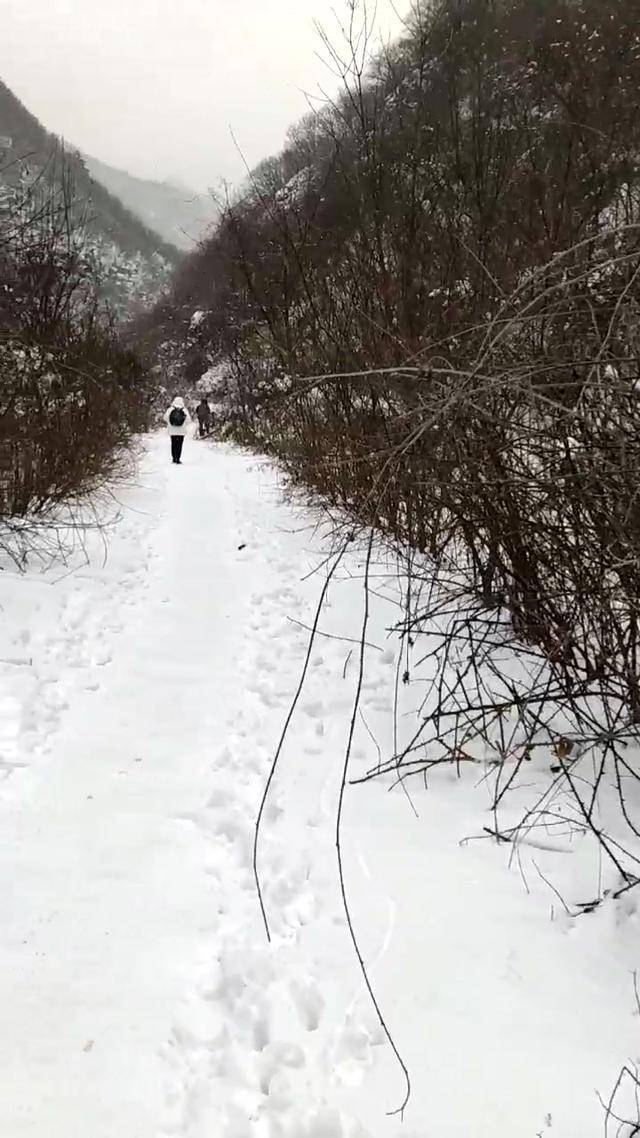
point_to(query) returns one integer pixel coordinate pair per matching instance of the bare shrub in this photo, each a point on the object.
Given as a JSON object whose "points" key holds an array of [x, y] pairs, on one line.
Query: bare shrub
{"points": [[71, 396]]}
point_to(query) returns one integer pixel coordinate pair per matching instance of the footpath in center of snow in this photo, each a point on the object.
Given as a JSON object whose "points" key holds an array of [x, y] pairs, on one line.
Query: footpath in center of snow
{"points": [[143, 692]]}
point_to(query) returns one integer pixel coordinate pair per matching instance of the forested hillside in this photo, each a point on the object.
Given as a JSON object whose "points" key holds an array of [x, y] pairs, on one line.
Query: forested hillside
{"points": [[491, 138], [136, 260]]}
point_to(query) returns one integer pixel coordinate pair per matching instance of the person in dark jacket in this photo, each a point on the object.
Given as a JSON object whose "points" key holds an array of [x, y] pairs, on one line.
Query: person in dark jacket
{"points": [[203, 411]]}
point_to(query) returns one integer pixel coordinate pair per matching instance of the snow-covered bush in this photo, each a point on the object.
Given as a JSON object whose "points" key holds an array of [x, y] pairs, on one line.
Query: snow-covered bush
{"points": [[71, 394]]}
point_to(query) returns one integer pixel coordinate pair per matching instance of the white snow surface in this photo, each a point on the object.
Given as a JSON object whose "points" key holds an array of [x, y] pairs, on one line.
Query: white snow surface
{"points": [[142, 695]]}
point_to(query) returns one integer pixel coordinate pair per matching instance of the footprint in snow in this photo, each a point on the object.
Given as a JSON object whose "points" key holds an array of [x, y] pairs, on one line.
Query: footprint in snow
{"points": [[314, 710], [309, 1003], [276, 1057]]}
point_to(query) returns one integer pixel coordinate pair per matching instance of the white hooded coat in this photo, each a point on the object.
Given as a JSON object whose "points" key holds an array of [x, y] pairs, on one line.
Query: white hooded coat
{"points": [[186, 426]]}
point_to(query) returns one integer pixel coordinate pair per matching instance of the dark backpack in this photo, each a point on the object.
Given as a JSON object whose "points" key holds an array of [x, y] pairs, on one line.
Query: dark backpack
{"points": [[177, 416]]}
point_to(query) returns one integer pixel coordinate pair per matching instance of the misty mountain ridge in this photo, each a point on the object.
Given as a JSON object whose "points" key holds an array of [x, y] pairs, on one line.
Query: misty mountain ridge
{"points": [[133, 260], [181, 216], [26, 144]]}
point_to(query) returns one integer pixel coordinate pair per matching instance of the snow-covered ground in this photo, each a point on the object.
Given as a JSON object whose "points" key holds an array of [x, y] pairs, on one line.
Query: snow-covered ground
{"points": [[142, 696]]}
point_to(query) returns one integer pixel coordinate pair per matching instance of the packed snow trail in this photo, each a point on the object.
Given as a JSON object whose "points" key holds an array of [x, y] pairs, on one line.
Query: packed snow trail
{"points": [[135, 975], [142, 698], [107, 901]]}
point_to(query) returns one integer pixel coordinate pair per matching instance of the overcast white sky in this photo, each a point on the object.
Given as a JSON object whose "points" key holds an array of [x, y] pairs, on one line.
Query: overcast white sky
{"points": [[153, 86]]}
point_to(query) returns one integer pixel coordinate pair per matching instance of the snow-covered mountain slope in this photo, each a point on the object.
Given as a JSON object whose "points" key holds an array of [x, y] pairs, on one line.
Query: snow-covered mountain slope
{"points": [[38, 172], [25, 142], [143, 693]]}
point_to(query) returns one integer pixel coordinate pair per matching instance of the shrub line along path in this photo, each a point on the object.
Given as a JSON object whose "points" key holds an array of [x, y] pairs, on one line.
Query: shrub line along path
{"points": [[141, 701]]}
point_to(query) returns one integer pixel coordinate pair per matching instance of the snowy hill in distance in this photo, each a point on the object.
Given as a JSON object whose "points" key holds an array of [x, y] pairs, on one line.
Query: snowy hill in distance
{"points": [[179, 215], [135, 262]]}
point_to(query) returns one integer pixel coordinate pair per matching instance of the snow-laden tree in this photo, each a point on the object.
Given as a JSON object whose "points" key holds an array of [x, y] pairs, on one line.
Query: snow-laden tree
{"points": [[70, 393]]}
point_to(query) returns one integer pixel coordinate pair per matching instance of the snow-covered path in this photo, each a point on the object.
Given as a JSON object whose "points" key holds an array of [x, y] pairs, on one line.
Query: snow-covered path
{"points": [[142, 699], [136, 977], [107, 898]]}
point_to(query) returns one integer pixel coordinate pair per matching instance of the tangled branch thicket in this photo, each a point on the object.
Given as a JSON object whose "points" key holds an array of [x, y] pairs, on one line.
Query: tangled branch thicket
{"points": [[427, 307], [71, 395]]}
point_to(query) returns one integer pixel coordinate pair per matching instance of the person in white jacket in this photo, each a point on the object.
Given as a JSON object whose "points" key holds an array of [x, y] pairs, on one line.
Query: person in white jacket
{"points": [[178, 421]]}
